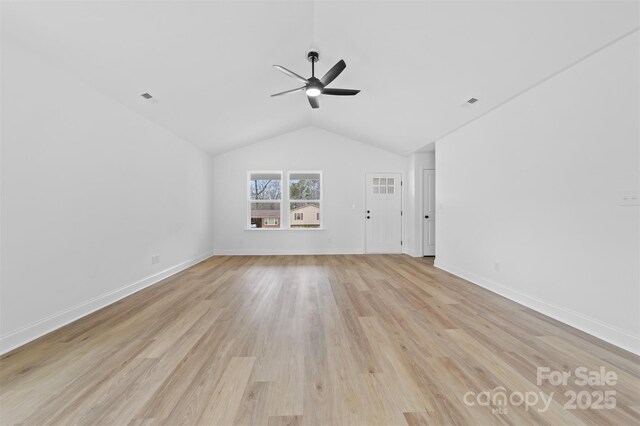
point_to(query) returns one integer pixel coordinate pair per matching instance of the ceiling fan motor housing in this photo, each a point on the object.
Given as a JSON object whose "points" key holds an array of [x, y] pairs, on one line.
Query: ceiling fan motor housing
{"points": [[313, 56]]}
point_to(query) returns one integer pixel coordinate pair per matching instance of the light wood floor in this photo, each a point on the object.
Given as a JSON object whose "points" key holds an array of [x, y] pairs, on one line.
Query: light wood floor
{"points": [[322, 340]]}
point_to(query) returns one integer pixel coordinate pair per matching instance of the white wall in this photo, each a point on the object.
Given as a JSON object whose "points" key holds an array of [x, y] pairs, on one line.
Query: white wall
{"points": [[534, 186], [418, 162], [90, 191], [343, 162]]}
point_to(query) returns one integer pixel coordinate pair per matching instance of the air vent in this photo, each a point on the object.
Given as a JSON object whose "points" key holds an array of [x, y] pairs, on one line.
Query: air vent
{"points": [[472, 101], [146, 96]]}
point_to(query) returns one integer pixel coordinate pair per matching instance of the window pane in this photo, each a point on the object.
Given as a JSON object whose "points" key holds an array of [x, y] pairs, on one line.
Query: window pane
{"points": [[390, 189], [376, 181], [304, 215], [265, 186], [375, 190], [383, 181], [383, 189], [304, 186], [265, 215], [390, 181]]}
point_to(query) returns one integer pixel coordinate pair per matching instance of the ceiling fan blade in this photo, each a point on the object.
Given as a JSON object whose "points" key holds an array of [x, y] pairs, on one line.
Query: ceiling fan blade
{"points": [[313, 100], [290, 73], [333, 72], [299, 89], [340, 92]]}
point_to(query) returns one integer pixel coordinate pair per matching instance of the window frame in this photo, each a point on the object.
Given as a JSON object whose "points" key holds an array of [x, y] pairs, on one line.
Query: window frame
{"points": [[249, 200], [319, 201]]}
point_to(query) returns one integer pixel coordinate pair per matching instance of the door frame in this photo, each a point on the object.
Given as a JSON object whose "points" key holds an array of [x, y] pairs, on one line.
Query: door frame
{"points": [[364, 210], [423, 211]]}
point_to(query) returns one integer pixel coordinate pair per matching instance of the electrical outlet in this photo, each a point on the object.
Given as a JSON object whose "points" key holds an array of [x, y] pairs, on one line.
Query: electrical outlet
{"points": [[629, 197], [496, 266], [155, 259]]}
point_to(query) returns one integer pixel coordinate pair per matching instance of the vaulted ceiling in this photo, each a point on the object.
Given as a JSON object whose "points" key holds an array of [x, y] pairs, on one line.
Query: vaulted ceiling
{"points": [[208, 64]]}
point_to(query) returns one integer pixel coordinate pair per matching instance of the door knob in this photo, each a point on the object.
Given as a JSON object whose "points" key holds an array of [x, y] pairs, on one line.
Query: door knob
{"points": [[426, 217]]}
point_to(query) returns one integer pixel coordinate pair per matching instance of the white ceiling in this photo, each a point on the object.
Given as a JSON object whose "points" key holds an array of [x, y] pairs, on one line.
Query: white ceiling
{"points": [[208, 63]]}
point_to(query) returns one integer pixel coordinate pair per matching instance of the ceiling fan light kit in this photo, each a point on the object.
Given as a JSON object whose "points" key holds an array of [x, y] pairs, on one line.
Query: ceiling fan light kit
{"points": [[314, 87], [313, 90]]}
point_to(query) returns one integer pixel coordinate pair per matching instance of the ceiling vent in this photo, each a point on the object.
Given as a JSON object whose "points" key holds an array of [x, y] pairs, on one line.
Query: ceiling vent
{"points": [[146, 96], [472, 101]]}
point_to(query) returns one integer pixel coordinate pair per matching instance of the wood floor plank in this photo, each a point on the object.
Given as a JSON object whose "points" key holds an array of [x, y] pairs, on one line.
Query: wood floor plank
{"points": [[395, 367], [313, 340], [285, 421], [224, 402], [252, 409]]}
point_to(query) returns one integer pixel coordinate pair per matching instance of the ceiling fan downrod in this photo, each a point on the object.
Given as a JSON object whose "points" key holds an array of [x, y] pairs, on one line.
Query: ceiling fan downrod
{"points": [[313, 56]]}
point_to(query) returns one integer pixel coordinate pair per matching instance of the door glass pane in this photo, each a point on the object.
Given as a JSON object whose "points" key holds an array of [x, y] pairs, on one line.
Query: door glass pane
{"points": [[390, 189], [376, 189], [383, 181], [376, 181], [383, 189]]}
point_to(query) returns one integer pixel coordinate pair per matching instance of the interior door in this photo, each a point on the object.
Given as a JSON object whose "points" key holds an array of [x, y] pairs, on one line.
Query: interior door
{"points": [[383, 214], [429, 212]]}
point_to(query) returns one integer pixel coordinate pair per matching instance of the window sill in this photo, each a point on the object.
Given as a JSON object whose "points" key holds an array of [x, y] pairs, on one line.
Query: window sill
{"points": [[284, 229]]}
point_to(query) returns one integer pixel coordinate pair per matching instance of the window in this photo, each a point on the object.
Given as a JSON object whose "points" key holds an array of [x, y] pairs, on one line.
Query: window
{"points": [[265, 199], [305, 197], [271, 221]]}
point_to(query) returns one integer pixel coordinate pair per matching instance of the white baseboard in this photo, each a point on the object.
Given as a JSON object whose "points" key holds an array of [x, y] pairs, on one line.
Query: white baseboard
{"points": [[590, 325], [19, 337], [283, 252]]}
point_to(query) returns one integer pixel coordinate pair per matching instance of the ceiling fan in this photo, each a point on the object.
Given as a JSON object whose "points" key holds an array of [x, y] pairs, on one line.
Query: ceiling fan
{"points": [[315, 87]]}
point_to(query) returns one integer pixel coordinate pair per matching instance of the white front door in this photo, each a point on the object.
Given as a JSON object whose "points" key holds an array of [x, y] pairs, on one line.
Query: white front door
{"points": [[383, 213], [429, 212]]}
